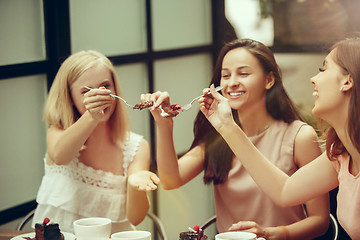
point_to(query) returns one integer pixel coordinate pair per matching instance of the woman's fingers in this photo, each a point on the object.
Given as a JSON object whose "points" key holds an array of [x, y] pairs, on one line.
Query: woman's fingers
{"points": [[158, 98], [155, 178], [97, 100], [242, 225], [98, 91], [215, 94], [163, 99], [144, 180]]}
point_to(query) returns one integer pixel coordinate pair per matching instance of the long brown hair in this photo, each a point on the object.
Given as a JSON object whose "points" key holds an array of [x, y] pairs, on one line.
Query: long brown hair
{"points": [[218, 155], [348, 58]]}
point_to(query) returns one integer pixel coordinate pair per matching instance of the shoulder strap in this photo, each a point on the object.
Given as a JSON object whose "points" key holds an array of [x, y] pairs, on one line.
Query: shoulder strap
{"points": [[130, 148]]}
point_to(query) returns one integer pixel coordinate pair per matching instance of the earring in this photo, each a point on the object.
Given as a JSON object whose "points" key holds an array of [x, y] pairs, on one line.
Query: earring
{"points": [[342, 89]]}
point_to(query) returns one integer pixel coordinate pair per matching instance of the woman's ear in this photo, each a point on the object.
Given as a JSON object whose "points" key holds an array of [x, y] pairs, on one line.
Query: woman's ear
{"points": [[270, 80], [347, 84]]}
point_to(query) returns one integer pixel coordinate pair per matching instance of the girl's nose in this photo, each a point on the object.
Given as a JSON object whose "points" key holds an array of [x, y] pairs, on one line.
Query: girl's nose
{"points": [[233, 82], [312, 79]]}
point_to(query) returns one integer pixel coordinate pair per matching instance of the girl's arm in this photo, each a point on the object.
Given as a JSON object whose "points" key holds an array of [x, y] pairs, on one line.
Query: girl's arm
{"points": [[63, 145], [316, 178], [306, 149], [173, 172], [140, 181]]}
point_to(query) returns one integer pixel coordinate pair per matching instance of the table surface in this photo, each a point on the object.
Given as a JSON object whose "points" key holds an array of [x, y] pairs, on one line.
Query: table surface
{"points": [[8, 234]]}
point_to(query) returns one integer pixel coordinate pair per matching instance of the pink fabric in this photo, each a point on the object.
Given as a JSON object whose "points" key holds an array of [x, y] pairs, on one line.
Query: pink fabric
{"points": [[348, 198], [240, 199]]}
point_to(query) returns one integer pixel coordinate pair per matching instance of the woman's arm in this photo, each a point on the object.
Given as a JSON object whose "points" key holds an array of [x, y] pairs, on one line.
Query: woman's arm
{"points": [[140, 181], [306, 149], [63, 145], [312, 180], [173, 172]]}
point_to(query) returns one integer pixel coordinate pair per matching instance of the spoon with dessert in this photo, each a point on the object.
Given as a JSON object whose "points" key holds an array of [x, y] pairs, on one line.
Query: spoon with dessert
{"points": [[138, 106]]}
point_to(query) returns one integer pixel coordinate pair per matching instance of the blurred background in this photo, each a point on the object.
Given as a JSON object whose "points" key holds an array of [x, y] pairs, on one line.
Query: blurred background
{"points": [[167, 45]]}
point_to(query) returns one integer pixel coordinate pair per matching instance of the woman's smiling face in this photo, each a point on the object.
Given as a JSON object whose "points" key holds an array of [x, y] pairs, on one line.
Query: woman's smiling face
{"points": [[327, 84], [243, 79]]}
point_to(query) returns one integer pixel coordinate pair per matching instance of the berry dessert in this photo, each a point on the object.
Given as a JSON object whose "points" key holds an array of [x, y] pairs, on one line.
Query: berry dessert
{"points": [[47, 231], [175, 107], [143, 105], [195, 233], [173, 110]]}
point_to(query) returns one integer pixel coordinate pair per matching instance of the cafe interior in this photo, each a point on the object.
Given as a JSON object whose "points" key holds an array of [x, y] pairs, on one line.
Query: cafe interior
{"points": [[155, 45]]}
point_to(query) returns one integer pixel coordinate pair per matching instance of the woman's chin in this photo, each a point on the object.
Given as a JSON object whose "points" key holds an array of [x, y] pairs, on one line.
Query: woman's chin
{"points": [[314, 112], [236, 105], [318, 113], [107, 114]]}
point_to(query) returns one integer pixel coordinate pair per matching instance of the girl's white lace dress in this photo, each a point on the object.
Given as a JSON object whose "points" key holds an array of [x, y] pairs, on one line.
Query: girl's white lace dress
{"points": [[73, 191]]}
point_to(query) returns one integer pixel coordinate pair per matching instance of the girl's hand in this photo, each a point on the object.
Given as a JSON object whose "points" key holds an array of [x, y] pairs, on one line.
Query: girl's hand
{"points": [[96, 101], [160, 99], [250, 226], [216, 108], [143, 181]]}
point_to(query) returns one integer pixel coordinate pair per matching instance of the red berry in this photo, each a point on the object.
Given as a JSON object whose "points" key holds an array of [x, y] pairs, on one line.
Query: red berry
{"points": [[46, 221], [196, 228], [175, 107]]}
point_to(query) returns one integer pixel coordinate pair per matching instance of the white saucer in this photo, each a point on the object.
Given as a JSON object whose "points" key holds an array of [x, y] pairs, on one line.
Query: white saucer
{"points": [[67, 236]]}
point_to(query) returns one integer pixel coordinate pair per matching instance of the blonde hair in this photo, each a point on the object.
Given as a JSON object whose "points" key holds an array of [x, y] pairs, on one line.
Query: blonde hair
{"points": [[59, 110]]}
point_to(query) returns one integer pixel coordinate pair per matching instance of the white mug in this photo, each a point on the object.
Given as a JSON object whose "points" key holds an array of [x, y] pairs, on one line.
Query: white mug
{"points": [[131, 235], [92, 228], [236, 236]]}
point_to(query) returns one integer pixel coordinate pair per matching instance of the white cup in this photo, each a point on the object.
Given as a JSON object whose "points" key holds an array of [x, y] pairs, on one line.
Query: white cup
{"points": [[131, 235], [236, 236], [92, 229]]}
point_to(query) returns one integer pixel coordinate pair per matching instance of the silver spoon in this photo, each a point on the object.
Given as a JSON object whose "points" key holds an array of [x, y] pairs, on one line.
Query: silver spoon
{"points": [[114, 96], [189, 105]]}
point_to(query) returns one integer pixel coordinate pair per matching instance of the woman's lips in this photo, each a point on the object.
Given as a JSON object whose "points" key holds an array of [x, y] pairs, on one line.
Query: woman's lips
{"points": [[236, 94]]}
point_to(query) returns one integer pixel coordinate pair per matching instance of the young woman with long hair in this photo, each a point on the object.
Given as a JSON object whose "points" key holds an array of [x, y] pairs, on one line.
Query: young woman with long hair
{"points": [[252, 84], [337, 93]]}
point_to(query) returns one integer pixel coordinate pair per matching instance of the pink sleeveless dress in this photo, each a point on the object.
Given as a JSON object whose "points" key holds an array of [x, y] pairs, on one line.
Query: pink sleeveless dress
{"points": [[348, 197], [240, 199]]}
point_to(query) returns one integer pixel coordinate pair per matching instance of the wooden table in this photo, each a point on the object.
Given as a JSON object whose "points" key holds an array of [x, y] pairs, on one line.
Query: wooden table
{"points": [[8, 234]]}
